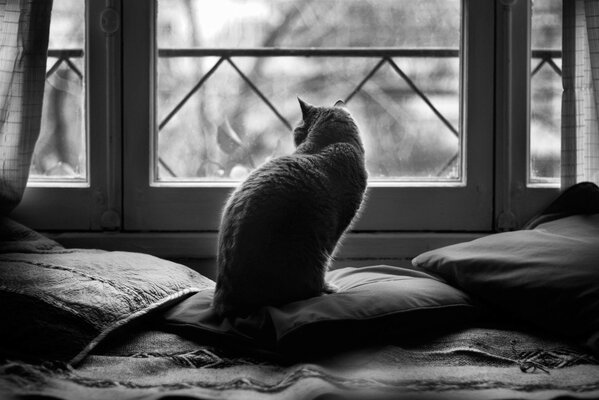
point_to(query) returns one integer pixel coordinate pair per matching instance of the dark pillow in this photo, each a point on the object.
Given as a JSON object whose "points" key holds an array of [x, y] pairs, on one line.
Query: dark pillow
{"points": [[372, 302], [547, 276], [61, 304], [16, 238]]}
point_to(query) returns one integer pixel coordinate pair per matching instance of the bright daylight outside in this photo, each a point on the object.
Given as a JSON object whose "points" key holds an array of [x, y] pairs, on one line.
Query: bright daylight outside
{"points": [[218, 118], [229, 72], [546, 92], [61, 150]]}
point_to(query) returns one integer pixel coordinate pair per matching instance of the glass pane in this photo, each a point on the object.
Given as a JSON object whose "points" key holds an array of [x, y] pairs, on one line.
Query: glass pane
{"points": [[61, 150], [218, 118], [545, 92]]}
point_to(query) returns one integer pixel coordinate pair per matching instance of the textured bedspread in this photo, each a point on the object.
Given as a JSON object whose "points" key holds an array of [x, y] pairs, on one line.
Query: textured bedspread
{"points": [[473, 363], [135, 358], [58, 303]]}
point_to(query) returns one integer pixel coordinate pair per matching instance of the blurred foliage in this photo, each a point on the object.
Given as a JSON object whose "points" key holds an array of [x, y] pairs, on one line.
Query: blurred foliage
{"points": [[546, 94], [225, 129], [403, 138], [61, 150]]}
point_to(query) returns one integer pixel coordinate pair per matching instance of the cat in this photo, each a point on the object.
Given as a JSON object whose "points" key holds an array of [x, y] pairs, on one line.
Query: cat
{"points": [[280, 227]]}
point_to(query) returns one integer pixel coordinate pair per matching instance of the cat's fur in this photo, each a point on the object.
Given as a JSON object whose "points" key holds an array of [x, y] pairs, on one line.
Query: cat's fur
{"points": [[280, 227]]}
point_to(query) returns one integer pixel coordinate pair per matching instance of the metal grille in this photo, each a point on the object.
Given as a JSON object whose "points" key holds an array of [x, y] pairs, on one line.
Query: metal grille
{"points": [[546, 57], [385, 56], [64, 57]]}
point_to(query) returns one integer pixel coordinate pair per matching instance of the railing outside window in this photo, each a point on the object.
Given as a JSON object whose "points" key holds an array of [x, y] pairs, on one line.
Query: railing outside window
{"points": [[383, 57], [64, 63]]}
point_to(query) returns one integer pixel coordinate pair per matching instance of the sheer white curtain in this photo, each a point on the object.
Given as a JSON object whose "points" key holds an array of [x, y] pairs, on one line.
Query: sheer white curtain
{"points": [[24, 29], [580, 104]]}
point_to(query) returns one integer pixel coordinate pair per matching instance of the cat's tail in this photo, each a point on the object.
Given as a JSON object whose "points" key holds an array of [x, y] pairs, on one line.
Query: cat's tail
{"points": [[218, 305], [221, 310], [222, 306]]}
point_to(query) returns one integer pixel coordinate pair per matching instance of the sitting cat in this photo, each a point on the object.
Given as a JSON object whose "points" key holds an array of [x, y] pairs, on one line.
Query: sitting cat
{"points": [[280, 227]]}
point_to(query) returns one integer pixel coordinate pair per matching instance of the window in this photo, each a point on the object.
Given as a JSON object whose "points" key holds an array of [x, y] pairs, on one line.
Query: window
{"points": [[216, 111], [228, 74], [545, 92], [173, 113], [75, 182], [61, 151], [527, 109]]}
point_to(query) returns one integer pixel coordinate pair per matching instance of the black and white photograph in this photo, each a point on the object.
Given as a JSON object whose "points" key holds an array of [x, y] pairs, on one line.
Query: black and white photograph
{"points": [[299, 199]]}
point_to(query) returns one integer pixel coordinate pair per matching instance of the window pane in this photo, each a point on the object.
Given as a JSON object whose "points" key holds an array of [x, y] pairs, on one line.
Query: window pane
{"points": [[545, 91], [220, 117], [61, 151]]}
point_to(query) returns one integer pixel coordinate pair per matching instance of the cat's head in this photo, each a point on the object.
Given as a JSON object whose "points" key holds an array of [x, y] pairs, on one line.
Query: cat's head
{"points": [[323, 126]]}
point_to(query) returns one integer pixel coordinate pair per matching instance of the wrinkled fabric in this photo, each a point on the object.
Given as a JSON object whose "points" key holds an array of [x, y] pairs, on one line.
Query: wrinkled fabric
{"points": [[23, 55], [373, 303], [58, 303], [471, 363], [547, 277], [16, 238], [580, 99]]}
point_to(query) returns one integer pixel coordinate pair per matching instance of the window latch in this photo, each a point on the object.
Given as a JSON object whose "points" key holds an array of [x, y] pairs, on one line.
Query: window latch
{"points": [[109, 21]]}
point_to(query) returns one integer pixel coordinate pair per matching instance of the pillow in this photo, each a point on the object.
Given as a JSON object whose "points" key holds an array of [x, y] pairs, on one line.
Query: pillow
{"points": [[62, 303], [373, 302], [547, 276], [16, 238]]}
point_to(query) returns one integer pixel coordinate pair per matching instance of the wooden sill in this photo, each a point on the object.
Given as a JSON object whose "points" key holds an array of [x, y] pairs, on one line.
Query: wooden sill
{"points": [[403, 245]]}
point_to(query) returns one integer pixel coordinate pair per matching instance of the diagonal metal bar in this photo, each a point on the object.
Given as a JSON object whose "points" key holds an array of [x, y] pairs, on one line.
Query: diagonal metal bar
{"points": [[538, 67], [448, 163], [366, 78], [166, 167], [74, 68], [554, 66], [419, 92], [54, 67], [260, 94], [197, 86]]}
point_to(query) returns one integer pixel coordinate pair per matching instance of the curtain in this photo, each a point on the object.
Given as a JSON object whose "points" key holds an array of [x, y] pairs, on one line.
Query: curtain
{"points": [[24, 30], [580, 102]]}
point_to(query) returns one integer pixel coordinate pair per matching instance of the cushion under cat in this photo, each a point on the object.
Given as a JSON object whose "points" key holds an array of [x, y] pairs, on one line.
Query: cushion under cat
{"points": [[373, 303]]}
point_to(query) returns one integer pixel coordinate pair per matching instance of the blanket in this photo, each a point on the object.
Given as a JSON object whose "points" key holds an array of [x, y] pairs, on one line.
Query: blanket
{"points": [[146, 362], [482, 362]]}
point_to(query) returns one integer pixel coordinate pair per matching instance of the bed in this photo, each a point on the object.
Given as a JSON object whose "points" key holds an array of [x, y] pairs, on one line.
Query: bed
{"points": [[510, 315]]}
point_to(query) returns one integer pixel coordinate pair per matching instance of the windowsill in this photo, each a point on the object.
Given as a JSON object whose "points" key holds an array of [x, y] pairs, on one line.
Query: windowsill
{"points": [[176, 245]]}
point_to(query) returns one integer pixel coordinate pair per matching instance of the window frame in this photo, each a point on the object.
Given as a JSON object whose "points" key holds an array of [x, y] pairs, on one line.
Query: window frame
{"points": [[95, 205], [516, 200], [120, 195], [401, 207]]}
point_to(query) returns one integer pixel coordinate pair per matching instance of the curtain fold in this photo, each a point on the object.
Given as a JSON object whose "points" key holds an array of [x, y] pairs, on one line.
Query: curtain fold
{"points": [[24, 31], [580, 101]]}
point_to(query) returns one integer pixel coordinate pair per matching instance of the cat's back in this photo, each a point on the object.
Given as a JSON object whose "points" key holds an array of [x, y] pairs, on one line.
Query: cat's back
{"points": [[300, 181], [282, 184]]}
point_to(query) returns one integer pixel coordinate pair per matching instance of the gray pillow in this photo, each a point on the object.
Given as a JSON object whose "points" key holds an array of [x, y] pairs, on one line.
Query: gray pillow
{"points": [[547, 276], [59, 304], [374, 303]]}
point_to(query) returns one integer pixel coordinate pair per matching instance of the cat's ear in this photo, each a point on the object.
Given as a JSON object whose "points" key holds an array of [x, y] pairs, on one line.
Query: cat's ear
{"points": [[340, 103], [306, 108]]}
